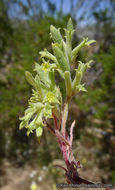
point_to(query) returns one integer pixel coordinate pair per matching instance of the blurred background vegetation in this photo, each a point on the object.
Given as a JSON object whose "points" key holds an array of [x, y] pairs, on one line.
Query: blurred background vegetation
{"points": [[24, 31]]}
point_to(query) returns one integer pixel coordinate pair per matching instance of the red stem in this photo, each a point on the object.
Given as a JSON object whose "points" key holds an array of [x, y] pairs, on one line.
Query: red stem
{"points": [[55, 121], [50, 128]]}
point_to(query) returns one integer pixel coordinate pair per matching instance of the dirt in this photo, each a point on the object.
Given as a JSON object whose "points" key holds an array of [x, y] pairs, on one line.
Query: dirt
{"points": [[15, 178]]}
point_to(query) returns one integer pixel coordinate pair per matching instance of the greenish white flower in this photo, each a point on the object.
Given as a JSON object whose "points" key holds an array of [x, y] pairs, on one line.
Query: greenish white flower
{"points": [[46, 97]]}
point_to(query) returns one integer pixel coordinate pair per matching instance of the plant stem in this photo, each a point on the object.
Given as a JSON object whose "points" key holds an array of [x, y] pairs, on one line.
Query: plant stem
{"points": [[64, 118], [50, 128], [55, 121]]}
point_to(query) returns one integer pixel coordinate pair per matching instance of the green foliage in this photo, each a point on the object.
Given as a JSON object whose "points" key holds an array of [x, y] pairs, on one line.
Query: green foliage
{"points": [[108, 62], [6, 30], [101, 97], [28, 39], [113, 176]]}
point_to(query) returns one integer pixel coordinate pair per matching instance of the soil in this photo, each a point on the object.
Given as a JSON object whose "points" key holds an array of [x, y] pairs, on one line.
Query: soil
{"points": [[15, 178]]}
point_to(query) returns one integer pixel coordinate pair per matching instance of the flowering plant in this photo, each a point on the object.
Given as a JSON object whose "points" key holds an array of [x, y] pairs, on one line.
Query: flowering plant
{"points": [[47, 100]]}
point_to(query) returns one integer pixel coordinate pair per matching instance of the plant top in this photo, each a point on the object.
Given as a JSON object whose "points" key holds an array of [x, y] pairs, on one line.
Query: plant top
{"points": [[46, 101]]}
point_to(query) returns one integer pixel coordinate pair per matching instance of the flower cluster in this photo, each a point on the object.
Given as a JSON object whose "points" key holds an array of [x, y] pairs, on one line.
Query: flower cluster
{"points": [[47, 102]]}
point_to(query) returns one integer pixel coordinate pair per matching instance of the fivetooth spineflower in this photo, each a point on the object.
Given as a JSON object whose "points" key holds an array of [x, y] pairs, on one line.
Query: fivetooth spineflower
{"points": [[46, 66], [51, 98], [48, 100]]}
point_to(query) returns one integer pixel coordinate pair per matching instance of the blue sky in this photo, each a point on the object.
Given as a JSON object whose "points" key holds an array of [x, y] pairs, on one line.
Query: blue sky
{"points": [[66, 4], [83, 11]]}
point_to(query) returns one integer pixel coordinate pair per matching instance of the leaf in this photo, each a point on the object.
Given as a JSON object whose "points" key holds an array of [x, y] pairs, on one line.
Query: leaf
{"points": [[55, 34]]}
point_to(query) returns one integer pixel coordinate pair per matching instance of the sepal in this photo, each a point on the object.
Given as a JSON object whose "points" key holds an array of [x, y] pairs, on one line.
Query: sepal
{"points": [[79, 88], [77, 79], [70, 25], [48, 55], [64, 66], [68, 83], [39, 131], [55, 34], [30, 79], [84, 43]]}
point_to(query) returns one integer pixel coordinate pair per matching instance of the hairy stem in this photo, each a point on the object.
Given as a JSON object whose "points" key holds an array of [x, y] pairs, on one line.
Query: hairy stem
{"points": [[50, 128], [55, 121], [64, 118]]}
